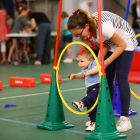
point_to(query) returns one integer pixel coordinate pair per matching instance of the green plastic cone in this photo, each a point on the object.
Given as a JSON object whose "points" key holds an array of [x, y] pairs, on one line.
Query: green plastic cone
{"points": [[105, 127], [55, 118]]}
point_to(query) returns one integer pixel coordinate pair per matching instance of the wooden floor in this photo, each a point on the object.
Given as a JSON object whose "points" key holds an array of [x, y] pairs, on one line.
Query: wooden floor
{"points": [[19, 123]]}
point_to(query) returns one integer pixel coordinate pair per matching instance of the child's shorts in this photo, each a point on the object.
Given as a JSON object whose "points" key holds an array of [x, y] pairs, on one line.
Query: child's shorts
{"points": [[68, 38]]}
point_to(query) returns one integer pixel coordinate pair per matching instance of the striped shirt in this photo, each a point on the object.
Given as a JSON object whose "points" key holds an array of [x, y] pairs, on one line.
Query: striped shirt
{"points": [[113, 23]]}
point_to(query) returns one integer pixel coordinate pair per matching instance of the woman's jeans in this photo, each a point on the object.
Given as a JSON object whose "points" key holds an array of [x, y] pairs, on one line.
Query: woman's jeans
{"points": [[44, 37]]}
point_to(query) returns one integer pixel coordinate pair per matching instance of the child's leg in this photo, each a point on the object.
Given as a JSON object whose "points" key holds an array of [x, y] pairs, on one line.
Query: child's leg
{"points": [[69, 52], [20, 56], [89, 100], [3, 50], [12, 49]]}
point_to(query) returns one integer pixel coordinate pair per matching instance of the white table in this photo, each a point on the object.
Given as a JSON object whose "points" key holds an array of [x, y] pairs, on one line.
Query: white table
{"points": [[25, 36]]}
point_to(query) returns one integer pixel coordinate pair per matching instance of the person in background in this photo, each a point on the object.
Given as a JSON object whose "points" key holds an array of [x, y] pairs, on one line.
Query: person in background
{"points": [[18, 26], [9, 20], [92, 81], [67, 37], [3, 32], [136, 18], [27, 30], [41, 21], [24, 5]]}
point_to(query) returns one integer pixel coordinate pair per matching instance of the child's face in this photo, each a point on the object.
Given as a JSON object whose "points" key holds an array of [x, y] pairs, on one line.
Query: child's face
{"points": [[83, 62], [81, 33]]}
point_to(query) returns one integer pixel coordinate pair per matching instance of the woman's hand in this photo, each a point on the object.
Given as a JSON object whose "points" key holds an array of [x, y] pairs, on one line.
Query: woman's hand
{"points": [[138, 20]]}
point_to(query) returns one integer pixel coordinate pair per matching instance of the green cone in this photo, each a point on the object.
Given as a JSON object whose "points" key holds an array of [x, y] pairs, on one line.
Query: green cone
{"points": [[55, 118], [105, 127]]}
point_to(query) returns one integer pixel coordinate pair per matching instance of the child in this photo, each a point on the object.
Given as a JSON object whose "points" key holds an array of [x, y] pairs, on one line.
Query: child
{"points": [[67, 37], [18, 26], [86, 62], [117, 34], [27, 30]]}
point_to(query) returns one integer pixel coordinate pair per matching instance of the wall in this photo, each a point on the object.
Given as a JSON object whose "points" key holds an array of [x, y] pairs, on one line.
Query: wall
{"points": [[112, 6]]}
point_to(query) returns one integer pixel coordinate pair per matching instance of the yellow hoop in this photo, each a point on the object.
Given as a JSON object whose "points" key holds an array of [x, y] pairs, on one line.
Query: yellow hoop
{"points": [[134, 94], [130, 88], [57, 69], [137, 35]]}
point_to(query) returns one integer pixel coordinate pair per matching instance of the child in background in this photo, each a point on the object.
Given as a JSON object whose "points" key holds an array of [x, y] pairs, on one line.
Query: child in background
{"points": [[67, 37], [3, 32], [86, 62], [9, 20], [27, 30], [18, 26]]}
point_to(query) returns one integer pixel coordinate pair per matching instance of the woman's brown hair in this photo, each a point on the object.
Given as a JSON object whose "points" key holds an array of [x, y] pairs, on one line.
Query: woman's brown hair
{"points": [[29, 14], [80, 18]]}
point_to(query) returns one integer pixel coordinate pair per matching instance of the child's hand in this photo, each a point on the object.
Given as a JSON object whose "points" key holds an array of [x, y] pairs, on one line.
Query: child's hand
{"points": [[87, 73], [72, 76]]}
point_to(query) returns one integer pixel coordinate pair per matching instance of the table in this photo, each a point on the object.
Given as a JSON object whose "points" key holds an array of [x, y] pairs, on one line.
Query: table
{"points": [[25, 36]]}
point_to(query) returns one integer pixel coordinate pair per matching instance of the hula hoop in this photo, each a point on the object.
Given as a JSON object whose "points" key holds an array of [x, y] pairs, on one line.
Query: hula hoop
{"points": [[130, 88], [137, 35], [57, 69]]}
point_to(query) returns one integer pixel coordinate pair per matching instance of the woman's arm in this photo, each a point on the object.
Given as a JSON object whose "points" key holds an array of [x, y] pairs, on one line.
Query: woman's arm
{"points": [[121, 45], [33, 23], [65, 28]]}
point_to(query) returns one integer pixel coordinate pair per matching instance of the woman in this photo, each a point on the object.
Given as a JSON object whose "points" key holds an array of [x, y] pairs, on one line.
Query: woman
{"points": [[41, 21], [3, 32], [119, 43]]}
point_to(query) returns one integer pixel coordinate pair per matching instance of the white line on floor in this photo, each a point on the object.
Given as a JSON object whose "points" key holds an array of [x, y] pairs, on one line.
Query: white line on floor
{"points": [[39, 93]]}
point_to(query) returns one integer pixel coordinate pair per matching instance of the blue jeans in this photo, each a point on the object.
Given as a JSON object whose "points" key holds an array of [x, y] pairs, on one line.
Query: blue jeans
{"points": [[89, 100], [137, 31], [44, 37]]}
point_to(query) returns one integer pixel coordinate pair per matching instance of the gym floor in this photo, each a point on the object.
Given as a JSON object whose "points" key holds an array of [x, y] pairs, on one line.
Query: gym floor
{"points": [[19, 123]]}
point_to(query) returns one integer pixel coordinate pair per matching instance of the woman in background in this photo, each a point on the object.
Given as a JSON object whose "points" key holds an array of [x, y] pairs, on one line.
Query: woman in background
{"points": [[41, 21], [3, 32]]}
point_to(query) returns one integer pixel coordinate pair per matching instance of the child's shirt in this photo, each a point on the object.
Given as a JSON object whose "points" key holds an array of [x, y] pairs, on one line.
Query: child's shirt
{"points": [[91, 79], [66, 32], [112, 23]]}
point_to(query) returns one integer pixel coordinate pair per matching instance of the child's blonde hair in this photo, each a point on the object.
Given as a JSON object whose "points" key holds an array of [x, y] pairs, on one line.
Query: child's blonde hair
{"points": [[85, 53], [80, 18]]}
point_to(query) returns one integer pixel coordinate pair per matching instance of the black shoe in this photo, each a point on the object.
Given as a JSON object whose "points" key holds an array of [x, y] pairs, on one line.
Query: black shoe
{"points": [[4, 63], [45, 59]]}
